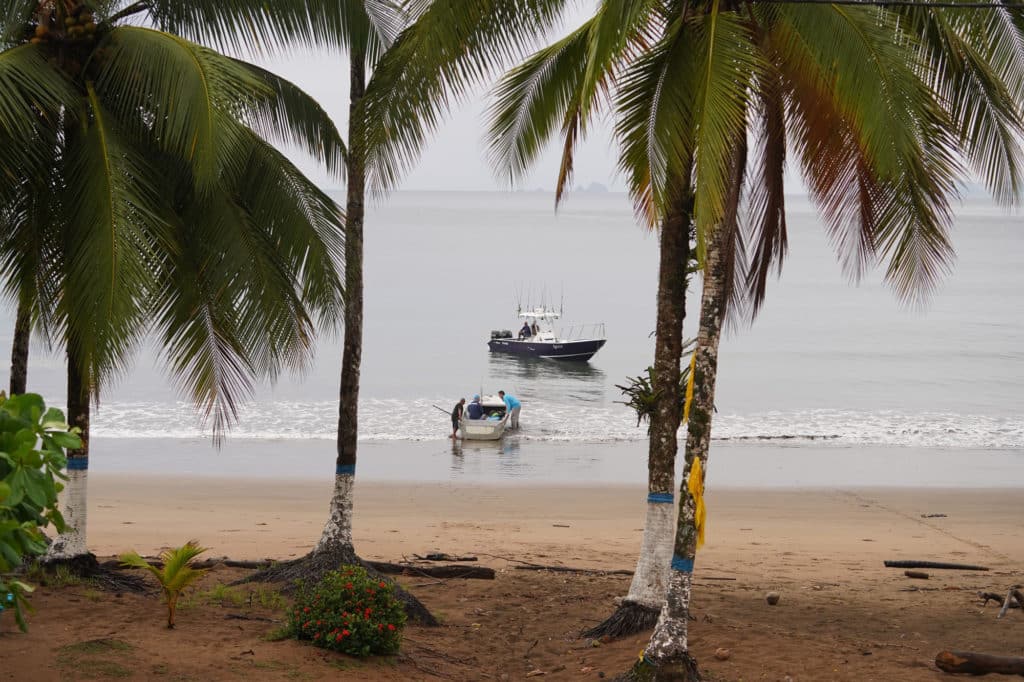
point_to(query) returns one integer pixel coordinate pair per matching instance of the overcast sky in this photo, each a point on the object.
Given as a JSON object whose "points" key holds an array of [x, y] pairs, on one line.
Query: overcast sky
{"points": [[455, 158]]}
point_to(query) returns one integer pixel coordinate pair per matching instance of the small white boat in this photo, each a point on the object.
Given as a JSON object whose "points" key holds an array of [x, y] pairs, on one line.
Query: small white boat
{"points": [[492, 426]]}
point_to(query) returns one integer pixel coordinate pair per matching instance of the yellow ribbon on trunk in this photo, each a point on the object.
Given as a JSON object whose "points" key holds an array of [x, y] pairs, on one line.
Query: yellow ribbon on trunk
{"points": [[689, 387], [695, 484]]}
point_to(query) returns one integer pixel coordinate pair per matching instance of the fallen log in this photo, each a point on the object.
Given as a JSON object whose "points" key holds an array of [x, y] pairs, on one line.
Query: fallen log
{"points": [[477, 572], [920, 575], [979, 664], [570, 569], [441, 556], [935, 565]]}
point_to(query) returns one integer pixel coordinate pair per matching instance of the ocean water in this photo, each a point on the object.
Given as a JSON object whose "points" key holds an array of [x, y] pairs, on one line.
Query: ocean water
{"points": [[827, 364]]}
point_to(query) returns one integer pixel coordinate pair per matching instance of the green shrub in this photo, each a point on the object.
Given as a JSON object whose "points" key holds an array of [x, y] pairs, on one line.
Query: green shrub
{"points": [[348, 611], [32, 444]]}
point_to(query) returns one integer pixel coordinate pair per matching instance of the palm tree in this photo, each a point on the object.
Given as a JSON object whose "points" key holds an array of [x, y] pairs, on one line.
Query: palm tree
{"points": [[141, 196], [881, 164], [383, 140]]}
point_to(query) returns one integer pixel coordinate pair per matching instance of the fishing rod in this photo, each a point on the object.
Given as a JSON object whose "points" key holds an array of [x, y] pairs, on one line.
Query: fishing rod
{"points": [[441, 408]]}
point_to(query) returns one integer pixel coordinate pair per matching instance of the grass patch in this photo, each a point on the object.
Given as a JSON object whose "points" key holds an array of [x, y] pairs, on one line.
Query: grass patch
{"points": [[93, 595], [279, 634], [237, 597], [84, 659], [94, 646], [60, 576]]}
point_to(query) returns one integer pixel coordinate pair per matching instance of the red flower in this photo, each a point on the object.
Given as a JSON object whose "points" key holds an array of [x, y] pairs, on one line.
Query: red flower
{"points": [[346, 633], [348, 586], [380, 626], [383, 584], [391, 627], [319, 622], [316, 636], [338, 638], [305, 610], [367, 612]]}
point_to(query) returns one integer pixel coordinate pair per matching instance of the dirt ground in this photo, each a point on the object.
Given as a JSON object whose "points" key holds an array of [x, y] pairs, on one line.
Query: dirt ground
{"points": [[881, 626]]}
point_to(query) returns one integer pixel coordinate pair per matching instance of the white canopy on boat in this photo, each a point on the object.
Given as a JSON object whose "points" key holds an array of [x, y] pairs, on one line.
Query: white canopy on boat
{"points": [[540, 314]]}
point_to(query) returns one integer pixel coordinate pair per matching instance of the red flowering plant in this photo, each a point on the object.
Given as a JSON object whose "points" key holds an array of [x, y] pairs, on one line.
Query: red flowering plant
{"points": [[348, 611]]}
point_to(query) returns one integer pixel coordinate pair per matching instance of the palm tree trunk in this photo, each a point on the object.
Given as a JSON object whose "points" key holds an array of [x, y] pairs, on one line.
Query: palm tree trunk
{"points": [[19, 349], [667, 653], [639, 610], [337, 534], [72, 542]]}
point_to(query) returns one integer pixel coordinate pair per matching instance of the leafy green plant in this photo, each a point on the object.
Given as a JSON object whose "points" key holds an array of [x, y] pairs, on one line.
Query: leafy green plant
{"points": [[175, 574], [643, 396], [349, 611], [32, 444]]}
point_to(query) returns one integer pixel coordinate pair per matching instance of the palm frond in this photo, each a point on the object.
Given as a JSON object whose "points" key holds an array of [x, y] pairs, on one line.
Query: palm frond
{"points": [[113, 219], [974, 64], [451, 47], [728, 65], [766, 229], [170, 89], [367, 26], [293, 117], [14, 16], [532, 99], [32, 95], [655, 121]]}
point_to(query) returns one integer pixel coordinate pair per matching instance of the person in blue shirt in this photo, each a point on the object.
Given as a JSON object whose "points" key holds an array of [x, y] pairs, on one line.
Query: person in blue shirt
{"points": [[475, 410], [513, 406]]}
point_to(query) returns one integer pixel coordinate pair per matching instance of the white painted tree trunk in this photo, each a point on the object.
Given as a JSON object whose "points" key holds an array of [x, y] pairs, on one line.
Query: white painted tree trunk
{"points": [[670, 635], [338, 529], [74, 507], [650, 580]]}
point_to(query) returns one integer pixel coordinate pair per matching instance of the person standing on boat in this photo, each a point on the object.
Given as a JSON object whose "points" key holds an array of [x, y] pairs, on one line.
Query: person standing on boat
{"points": [[457, 416], [513, 406], [525, 332], [475, 410]]}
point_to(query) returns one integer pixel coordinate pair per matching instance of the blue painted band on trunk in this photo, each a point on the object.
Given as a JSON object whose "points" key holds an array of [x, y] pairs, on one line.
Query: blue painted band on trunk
{"points": [[660, 498], [682, 565], [78, 463], [345, 470]]}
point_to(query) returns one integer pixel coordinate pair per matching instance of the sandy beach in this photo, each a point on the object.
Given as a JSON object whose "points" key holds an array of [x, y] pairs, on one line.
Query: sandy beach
{"points": [[842, 615]]}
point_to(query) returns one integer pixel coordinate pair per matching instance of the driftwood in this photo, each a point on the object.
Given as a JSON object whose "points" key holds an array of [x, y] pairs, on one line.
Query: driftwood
{"points": [[934, 564], [997, 598], [920, 575], [440, 556], [528, 566], [1013, 594], [478, 572], [979, 664], [570, 569]]}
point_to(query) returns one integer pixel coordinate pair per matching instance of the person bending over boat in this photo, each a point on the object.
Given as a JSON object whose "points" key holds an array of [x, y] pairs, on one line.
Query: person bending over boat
{"points": [[475, 410], [513, 406], [525, 332], [457, 416]]}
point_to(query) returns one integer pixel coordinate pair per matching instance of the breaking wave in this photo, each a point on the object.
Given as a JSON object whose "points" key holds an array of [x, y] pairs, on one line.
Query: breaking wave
{"points": [[419, 420]]}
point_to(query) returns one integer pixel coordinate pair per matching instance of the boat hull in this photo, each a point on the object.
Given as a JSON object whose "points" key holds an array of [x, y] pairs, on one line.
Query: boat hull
{"points": [[483, 429], [574, 351]]}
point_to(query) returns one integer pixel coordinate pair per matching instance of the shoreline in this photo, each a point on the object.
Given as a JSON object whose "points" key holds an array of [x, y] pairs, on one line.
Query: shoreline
{"points": [[526, 462]]}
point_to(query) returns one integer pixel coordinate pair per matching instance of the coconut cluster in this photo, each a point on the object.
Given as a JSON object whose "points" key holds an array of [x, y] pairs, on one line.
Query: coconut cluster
{"points": [[78, 26]]}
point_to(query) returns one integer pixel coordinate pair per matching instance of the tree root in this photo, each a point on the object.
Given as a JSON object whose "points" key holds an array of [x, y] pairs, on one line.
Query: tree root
{"points": [[314, 565], [103, 576], [629, 618], [681, 668]]}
